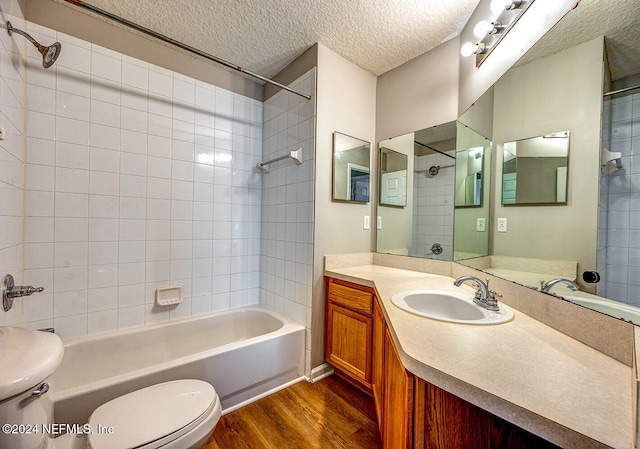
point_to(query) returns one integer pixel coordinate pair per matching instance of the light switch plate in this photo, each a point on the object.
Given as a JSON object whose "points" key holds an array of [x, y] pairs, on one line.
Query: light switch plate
{"points": [[481, 224], [502, 225], [366, 223], [379, 222]]}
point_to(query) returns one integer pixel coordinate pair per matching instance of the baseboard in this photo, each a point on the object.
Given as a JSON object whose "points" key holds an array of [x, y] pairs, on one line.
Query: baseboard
{"points": [[320, 372]]}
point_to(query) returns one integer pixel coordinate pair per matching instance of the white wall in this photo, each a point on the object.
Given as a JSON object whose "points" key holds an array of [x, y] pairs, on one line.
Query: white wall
{"points": [[420, 93], [346, 96]]}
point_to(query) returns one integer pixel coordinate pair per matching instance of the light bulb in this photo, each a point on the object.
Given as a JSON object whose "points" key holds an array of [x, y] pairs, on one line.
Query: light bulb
{"points": [[467, 49], [482, 28]]}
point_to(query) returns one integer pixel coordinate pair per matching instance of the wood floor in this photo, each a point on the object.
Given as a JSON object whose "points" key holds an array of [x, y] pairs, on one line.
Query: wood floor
{"points": [[324, 415]]}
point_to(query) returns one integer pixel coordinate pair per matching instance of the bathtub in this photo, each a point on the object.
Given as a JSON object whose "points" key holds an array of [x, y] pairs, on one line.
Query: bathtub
{"points": [[244, 353]]}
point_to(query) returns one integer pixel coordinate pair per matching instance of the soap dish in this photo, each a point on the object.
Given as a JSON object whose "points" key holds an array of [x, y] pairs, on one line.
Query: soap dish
{"points": [[167, 296]]}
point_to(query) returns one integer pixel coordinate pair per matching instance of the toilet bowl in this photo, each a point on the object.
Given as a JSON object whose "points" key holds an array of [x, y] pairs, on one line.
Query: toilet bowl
{"points": [[179, 414]]}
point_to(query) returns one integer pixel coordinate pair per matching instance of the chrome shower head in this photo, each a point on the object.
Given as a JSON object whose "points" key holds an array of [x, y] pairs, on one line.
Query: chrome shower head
{"points": [[49, 54]]}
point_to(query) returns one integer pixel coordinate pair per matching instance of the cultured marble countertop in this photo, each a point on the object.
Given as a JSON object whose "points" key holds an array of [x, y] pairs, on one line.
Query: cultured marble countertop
{"points": [[522, 371]]}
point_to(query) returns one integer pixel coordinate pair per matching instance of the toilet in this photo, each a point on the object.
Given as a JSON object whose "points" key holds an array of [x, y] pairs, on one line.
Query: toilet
{"points": [[178, 414]]}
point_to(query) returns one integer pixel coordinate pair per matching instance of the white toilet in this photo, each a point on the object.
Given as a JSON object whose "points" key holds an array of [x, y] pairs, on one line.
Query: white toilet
{"points": [[179, 414]]}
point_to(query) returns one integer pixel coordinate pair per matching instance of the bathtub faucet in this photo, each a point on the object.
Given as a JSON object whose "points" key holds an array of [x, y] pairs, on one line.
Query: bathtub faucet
{"points": [[545, 287], [11, 291]]}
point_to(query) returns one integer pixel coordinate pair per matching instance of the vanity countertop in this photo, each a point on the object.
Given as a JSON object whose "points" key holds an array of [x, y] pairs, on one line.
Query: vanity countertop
{"points": [[523, 371]]}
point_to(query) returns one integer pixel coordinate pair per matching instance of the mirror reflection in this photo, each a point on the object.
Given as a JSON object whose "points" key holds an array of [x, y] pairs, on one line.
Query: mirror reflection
{"points": [[424, 228], [597, 230], [534, 170], [351, 168], [393, 178]]}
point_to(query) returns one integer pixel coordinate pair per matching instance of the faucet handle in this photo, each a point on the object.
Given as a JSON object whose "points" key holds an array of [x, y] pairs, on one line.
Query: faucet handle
{"points": [[492, 300]]}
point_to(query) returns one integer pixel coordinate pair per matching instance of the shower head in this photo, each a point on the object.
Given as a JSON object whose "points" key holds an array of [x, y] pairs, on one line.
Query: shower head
{"points": [[49, 54]]}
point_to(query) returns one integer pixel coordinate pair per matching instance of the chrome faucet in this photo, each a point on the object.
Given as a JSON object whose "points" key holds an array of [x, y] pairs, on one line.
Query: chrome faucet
{"points": [[484, 297], [545, 287]]}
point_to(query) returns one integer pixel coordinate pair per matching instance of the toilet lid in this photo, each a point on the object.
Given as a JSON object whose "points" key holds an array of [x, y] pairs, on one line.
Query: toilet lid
{"points": [[151, 414]]}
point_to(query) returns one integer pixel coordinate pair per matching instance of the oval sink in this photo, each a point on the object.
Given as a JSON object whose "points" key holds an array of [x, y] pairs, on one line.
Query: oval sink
{"points": [[27, 358], [450, 307]]}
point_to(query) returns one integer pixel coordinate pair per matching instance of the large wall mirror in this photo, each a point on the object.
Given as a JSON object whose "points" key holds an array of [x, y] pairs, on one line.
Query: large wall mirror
{"points": [[351, 168], [595, 228]]}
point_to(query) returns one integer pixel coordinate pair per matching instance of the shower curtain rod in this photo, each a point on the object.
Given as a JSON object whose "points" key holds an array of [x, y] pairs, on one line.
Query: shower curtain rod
{"points": [[179, 44], [619, 91], [433, 149]]}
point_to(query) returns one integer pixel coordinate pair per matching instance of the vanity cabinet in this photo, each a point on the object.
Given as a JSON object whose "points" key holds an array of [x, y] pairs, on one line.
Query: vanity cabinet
{"points": [[412, 413], [397, 399], [349, 331]]}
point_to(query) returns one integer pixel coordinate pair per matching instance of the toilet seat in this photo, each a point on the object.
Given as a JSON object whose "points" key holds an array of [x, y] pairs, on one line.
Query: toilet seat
{"points": [[153, 416]]}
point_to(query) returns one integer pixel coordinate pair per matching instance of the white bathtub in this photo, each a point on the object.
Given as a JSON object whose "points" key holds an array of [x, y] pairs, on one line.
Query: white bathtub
{"points": [[243, 353]]}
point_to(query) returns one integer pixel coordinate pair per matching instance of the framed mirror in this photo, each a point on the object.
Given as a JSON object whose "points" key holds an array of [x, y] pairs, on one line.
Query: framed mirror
{"points": [[351, 168], [534, 170], [392, 178]]}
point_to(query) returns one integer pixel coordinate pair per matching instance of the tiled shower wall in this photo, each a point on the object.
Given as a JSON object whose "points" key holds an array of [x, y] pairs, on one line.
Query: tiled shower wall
{"points": [[433, 206], [136, 177], [287, 205], [12, 148], [622, 275]]}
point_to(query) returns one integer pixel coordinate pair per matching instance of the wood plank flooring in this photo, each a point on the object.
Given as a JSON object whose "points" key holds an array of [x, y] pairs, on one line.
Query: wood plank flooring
{"points": [[323, 415]]}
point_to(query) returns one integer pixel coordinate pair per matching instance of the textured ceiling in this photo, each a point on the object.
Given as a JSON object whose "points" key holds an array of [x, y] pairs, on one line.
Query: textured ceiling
{"points": [[618, 21], [264, 36]]}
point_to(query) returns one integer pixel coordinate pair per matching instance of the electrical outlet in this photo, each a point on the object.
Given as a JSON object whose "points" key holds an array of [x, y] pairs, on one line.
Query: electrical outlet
{"points": [[366, 224], [502, 225], [481, 224], [379, 222]]}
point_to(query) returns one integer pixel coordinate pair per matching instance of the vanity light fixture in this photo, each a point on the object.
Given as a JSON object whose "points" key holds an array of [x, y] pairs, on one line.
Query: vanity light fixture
{"points": [[505, 13]]}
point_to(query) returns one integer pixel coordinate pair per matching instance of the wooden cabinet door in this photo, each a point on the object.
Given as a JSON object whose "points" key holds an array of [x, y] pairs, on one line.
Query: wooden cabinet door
{"points": [[377, 364], [397, 400], [348, 343], [445, 421]]}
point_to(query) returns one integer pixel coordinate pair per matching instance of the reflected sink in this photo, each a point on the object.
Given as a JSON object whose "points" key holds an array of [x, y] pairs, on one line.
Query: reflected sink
{"points": [[27, 358], [449, 306]]}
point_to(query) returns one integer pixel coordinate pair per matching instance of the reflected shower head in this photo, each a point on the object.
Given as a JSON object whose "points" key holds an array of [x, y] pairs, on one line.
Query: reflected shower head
{"points": [[49, 54]]}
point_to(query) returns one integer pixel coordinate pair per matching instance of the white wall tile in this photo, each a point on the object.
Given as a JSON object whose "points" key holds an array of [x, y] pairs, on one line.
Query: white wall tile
{"points": [[124, 172]]}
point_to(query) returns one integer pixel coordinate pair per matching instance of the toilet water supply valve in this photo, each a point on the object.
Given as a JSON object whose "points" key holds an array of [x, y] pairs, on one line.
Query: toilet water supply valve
{"points": [[11, 291]]}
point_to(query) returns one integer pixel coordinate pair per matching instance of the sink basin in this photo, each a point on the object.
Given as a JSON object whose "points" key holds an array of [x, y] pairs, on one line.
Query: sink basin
{"points": [[450, 307], [27, 357]]}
